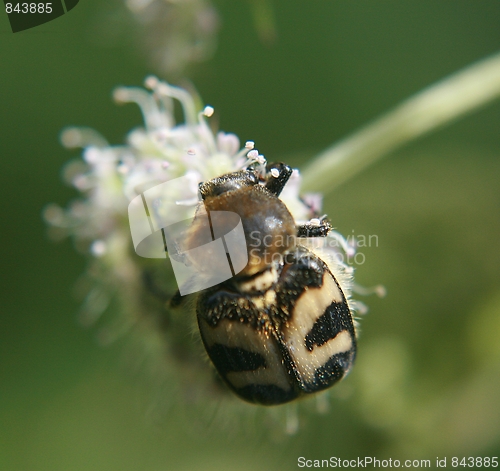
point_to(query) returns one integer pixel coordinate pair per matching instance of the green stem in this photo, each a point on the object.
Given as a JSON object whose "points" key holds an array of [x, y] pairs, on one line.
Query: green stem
{"points": [[429, 109]]}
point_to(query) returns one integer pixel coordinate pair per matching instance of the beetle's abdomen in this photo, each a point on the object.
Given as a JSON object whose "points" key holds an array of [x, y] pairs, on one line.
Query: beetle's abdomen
{"points": [[295, 338]]}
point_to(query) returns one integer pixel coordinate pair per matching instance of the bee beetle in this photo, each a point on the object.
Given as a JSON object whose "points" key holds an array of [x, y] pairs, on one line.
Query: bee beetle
{"points": [[281, 328]]}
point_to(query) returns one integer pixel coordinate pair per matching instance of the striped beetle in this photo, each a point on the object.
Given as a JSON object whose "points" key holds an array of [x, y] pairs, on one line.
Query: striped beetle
{"points": [[282, 327]]}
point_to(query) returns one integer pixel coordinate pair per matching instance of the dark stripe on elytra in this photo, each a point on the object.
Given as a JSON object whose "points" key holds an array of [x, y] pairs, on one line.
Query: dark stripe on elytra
{"points": [[335, 319], [234, 359], [303, 270], [332, 371], [266, 394]]}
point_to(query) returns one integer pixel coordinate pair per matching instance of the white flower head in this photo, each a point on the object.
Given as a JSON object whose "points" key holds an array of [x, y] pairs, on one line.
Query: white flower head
{"points": [[159, 151], [110, 177]]}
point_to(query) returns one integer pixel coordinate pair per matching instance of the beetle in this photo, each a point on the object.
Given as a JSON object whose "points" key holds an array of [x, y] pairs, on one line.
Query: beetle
{"points": [[281, 328]]}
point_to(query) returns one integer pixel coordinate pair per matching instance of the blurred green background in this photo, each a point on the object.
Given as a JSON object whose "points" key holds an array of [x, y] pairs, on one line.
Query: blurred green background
{"points": [[427, 379]]}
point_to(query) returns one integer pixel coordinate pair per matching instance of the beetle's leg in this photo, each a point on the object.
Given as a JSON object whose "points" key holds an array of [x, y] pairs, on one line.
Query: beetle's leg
{"points": [[149, 282], [176, 300], [153, 288], [314, 228], [277, 175]]}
